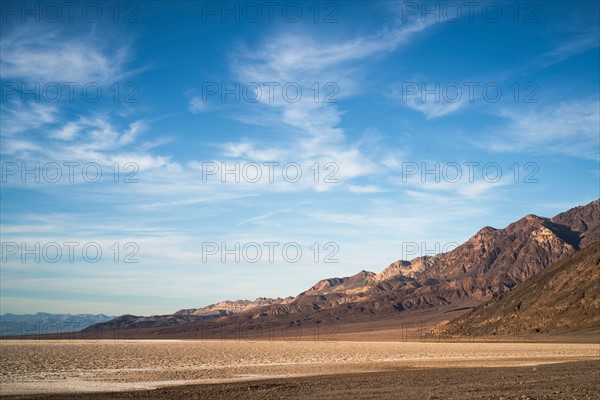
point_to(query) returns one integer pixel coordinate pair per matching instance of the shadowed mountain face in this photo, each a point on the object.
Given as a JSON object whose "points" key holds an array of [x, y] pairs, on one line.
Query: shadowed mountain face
{"points": [[562, 298], [487, 265], [583, 221]]}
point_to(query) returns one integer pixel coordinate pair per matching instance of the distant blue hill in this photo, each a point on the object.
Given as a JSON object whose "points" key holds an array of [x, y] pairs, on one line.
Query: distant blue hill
{"points": [[45, 323]]}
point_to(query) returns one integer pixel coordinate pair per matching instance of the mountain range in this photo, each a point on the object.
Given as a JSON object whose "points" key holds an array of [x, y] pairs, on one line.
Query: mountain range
{"points": [[434, 288], [46, 323]]}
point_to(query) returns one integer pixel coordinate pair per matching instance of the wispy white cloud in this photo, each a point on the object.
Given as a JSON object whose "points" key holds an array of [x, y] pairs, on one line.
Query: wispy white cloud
{"points": [[263, 217], [432, 109], [248, 151], [196, 105], [365, 189], [569, 128], [208, 198], [580, 43], [409, 221], [430, 105], [313, 125], [117, 148], [65, 58], [94, 135], [33, 129], [67, 132], [18, 116], [478, 189], [293, 54]]}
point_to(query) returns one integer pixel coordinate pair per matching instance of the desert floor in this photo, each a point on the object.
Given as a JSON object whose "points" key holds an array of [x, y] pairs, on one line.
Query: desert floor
{"points": [[153, 369]]}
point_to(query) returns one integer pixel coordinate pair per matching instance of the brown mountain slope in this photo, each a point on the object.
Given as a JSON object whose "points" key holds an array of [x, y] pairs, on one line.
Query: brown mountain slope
{"points": [[347, 285], [229, 307], [491, 262], [488, 264], [188, 316], [563, 298]]}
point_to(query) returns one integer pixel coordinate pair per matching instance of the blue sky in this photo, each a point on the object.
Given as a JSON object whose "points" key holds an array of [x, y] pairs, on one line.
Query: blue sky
{"points": [[511, 94]]}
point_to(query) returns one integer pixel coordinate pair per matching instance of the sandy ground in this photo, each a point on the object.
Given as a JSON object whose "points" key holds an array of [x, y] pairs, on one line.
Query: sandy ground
{"points": [[578, 380], [44, 367]]}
